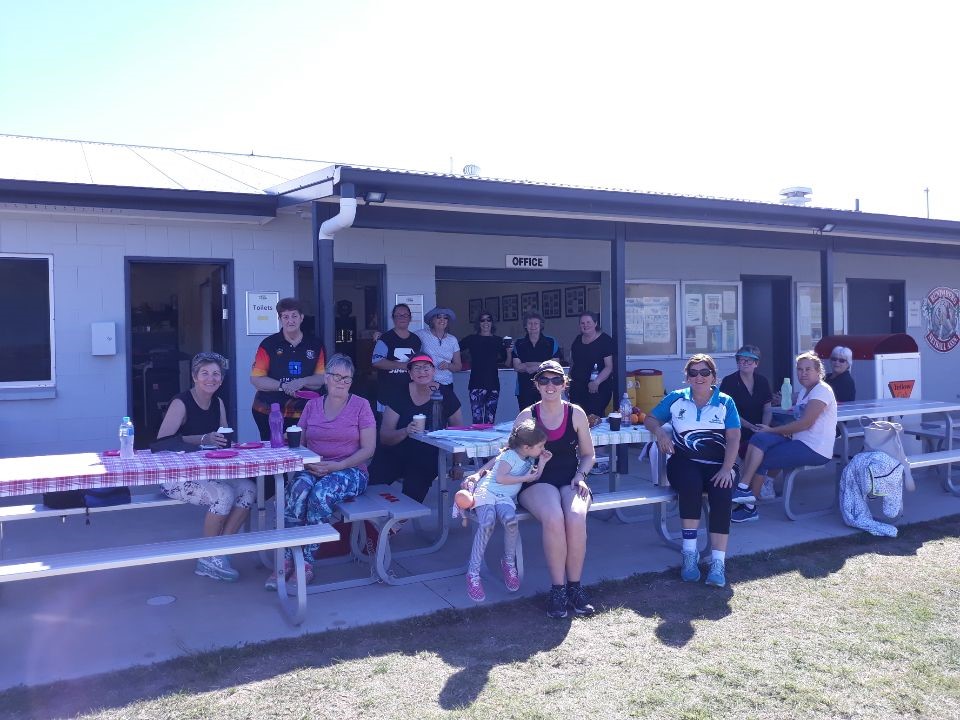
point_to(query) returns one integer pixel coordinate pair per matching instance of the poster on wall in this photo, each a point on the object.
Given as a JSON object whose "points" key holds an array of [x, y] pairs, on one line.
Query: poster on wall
{"points": [[712, 318], [652, 310], [940, 310], [262, 316]]}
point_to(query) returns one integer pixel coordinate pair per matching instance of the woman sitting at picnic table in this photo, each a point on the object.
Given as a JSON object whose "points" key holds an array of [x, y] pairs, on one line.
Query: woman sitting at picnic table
{"points": [[196, 415], [560, 498], [840, 379], [808, 440], [703, 447], [399, 454], [341, 429]]}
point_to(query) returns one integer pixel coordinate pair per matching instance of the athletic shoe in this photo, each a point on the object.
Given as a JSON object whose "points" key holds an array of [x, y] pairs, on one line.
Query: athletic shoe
{"points": [[690, 570], [511, 578], [742, 514], [557, 603], [717, 575], [217, 567], [578, 600], [271, 583], [767, 491], [475, 588], [743, 496], [307, 575]]}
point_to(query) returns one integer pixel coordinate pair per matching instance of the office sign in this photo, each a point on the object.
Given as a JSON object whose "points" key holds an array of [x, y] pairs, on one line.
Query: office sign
{"points": [[528, 262]]}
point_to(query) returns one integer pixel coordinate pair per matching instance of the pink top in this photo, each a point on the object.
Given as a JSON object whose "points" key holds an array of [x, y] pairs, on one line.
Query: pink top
{"points": [[338, 438]]}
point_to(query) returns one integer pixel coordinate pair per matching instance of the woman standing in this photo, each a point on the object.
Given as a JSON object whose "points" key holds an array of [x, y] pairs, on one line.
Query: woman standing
{"points": [[441, 346], [528, 353], [592, 352], [392, 353], [340, 428], [560, 498], [196, 415], [487, 356], [703, 448], [840, 379], [399, 455], [808, 440]]}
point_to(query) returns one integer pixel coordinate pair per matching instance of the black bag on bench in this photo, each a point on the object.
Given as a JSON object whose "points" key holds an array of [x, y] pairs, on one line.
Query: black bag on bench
{"points": [[90, 498]]}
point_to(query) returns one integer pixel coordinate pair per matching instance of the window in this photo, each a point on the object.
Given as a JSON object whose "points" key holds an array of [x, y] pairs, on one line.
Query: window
{"points": [[651, 318], [26, 323], [809, 321], [712, 321]]}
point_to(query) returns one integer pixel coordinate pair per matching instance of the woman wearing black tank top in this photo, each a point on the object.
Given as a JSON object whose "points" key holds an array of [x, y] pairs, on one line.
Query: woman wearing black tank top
{"points": [[561, 497]]}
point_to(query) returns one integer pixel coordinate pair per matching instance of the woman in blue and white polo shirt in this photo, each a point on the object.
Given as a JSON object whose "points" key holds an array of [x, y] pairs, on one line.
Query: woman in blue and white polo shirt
{"points": [[703, 448]]}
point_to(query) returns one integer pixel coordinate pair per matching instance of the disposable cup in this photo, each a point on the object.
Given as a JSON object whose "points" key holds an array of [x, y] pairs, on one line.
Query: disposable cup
{"points": [[420, 422], [614, 419], [294, 435]]}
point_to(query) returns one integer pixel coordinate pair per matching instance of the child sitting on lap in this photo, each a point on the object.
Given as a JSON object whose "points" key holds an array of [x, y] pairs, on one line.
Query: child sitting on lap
{"points": [[495, 496]]}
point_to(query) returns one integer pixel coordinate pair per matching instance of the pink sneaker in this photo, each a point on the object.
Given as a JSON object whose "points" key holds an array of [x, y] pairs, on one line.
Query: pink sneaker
{"points": [[511, 578], [475, 588]]}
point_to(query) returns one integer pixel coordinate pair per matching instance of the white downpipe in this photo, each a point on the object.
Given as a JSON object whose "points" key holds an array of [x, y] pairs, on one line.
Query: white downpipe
{"points": [[341, 221]]}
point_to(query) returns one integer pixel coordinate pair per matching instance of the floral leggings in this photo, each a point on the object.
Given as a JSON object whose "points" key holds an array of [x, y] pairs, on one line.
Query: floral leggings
{"points": [[483, 405], [311, 500], [218, 496]]}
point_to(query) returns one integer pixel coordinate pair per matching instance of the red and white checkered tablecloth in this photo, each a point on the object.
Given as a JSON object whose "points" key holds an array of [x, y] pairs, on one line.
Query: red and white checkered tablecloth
{"points": [[51, 473]]}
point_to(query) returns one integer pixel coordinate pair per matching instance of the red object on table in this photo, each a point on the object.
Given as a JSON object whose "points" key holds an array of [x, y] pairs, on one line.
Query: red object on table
{"points": [[253, 445], [221, 454], [111, 453]]}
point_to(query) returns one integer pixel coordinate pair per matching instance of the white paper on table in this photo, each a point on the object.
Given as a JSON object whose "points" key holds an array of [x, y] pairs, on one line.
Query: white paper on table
{"points": [[694, 310], [711, 303], [729, 302]]}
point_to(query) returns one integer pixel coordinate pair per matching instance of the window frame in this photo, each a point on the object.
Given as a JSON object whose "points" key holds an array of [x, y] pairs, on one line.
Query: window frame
{"points": [[675, 284], [52, 382]]}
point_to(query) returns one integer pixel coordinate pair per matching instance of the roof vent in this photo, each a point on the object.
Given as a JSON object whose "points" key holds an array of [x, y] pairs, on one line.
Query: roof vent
{"points": [[798, 195], [471, 170]]}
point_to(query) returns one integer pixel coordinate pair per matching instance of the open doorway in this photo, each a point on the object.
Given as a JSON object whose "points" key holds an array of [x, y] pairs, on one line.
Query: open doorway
{"points": [[767, 323], [175, 309]]}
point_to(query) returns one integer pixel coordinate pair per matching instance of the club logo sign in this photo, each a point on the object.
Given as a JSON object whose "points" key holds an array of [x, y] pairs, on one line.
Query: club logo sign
{"points": [[940, 310]]}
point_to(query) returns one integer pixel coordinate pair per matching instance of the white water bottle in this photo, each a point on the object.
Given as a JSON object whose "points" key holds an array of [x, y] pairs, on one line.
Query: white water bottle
{"points": [[626, 408], [126, 439], [594, 374], [786, 394]]}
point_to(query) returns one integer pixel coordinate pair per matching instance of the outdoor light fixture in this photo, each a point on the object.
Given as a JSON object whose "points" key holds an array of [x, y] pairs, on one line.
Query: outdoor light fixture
{"points": [[827, 227], [374, 196]]}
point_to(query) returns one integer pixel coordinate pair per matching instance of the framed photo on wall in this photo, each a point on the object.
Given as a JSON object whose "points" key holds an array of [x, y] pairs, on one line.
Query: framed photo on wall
{"points": [[551, 303], [574, 300], [492, 306], [510, 307], [529, 302], [475, 307]]}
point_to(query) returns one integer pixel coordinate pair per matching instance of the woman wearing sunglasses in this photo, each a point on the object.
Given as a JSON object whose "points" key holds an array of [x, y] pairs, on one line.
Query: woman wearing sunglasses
{"points": [[702, 445], [840, 379], [808, 440], [487, 356]]}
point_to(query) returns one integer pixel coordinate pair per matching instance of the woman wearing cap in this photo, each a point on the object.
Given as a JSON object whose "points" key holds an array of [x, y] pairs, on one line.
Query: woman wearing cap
{"points": [[592, 352], [702, 445], [341, 429], [196, 416], [441, 346], [560, 498], [399, 455], [487, 355], [839, 378], [751, 392]]}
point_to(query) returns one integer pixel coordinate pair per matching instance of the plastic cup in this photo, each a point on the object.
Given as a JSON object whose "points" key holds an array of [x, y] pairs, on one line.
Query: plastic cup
{"points": [[228, 434], [420, 422], [614, 419], [294, 435]]}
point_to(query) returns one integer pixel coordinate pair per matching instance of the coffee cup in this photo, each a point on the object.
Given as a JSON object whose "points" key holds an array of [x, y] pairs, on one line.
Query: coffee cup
{"points": [[614, 419], [420, 422], [228, 434], [294, 435]]}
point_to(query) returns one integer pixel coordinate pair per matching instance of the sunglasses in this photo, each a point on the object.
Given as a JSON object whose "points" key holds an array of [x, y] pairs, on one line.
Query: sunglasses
{"points": [[836, 359], [554, 380], [486, 319], [702, 372]]}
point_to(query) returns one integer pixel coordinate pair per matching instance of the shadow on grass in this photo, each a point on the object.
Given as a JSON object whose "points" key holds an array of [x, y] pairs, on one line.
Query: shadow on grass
{"points": [[474, 641]]}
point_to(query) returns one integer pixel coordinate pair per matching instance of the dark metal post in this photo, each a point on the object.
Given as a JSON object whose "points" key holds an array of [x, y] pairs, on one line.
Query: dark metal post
{"points": [[618, 323], [826, 289]]}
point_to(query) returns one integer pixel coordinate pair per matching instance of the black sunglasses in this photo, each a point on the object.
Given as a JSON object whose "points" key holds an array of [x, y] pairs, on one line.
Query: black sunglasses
{"points": [[555, 380], [702, 372], [838, 359]]}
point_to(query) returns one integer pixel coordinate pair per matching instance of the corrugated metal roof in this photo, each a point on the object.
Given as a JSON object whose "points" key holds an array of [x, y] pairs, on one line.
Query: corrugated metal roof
{"points": [[96, 163]]}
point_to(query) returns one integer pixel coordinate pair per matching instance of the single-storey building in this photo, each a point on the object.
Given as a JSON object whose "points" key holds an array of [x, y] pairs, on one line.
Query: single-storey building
{"points": [[117, 263]]}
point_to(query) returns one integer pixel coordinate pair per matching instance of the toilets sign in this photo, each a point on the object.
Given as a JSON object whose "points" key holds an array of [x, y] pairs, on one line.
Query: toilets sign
{"points": [[528, 262]]}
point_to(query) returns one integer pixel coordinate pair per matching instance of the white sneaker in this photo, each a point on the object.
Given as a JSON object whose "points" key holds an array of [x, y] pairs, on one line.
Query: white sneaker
{"points": [[217, 567], [766, 490]]}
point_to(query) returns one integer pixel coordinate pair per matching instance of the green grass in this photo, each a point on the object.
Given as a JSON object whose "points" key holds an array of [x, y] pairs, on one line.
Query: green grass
{"points": [[856, 627]]}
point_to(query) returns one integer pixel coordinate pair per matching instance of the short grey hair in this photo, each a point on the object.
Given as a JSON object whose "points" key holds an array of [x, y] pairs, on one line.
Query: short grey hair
{"points": [[339, 360], [844, 352], [207, 358]]}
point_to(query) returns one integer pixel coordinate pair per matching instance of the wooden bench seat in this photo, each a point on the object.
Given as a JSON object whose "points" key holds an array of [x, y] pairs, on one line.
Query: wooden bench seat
{"points": [[176, 550]]}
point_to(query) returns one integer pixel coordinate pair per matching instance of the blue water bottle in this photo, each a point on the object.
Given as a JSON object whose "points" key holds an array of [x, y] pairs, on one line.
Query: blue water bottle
{"points": [[126, 439]]}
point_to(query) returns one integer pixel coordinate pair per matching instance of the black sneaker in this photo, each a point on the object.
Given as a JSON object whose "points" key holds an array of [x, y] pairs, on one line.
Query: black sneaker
{"points": [[578, 600], [557, 603]]}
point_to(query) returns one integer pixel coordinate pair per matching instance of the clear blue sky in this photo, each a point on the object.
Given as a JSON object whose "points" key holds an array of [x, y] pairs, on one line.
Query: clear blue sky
{"points": [[740, 99]]}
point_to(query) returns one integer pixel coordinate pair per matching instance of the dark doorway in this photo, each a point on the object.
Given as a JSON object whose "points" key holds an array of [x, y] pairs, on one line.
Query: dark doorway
{"points": [[175, 309], [768, 323], [876, 307]]}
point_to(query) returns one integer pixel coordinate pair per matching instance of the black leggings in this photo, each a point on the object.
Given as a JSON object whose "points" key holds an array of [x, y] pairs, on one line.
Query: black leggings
{"points": [[412, 461], [691, 480]]}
